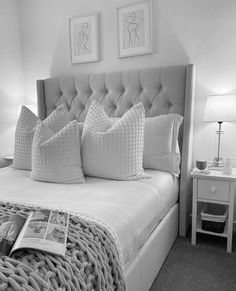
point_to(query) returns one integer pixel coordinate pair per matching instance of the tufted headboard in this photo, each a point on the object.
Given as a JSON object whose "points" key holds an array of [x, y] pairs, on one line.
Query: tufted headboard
{"points": [[162, 91]]}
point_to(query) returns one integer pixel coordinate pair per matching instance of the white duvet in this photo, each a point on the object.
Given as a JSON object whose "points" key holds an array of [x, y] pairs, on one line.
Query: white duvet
{"points": [[131, 208]]}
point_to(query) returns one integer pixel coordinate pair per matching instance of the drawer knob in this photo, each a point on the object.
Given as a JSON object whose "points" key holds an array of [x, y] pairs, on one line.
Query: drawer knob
{"points": [[213, 189]]}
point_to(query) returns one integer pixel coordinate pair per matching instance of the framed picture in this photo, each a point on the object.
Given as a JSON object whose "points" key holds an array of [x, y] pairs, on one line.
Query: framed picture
{"points": [[84, 38], [135, 29]]}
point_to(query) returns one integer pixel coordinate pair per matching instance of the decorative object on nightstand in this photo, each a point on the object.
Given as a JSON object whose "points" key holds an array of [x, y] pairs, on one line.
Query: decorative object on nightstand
{"points": [[201, 167], [227, 170], [220, 108], [213, 201]]}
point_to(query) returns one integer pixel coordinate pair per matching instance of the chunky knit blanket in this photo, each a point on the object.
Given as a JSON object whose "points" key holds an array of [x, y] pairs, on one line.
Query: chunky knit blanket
{"points": [[92, 260]]}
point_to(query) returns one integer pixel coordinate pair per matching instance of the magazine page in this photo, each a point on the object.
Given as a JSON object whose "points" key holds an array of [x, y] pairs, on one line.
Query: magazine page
{"points": [[10, 227], [45, 230]]}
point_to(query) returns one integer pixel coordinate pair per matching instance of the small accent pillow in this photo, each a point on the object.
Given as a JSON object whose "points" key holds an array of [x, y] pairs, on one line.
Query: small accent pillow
{"points": [[113, 151], [25, 130], [56, 157], [161, 148]]}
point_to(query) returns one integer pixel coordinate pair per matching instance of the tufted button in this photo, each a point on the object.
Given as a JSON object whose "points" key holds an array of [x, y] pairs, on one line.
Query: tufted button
{"points": [[82, 107], [160, 87], [150, 106], [141, 90]]}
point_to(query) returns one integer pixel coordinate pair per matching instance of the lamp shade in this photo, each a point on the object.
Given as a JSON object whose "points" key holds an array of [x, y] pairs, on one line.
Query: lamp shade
{"points": [[220, 108]]}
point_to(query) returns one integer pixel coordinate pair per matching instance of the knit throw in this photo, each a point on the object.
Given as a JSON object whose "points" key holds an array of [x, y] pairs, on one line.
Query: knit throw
{"points": [[92, 260]]}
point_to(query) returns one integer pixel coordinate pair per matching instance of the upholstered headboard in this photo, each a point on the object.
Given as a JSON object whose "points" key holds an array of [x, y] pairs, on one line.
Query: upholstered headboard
{"points": [[162, 91]]}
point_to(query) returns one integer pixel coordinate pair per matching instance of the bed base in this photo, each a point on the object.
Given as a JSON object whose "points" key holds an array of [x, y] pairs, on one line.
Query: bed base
{"points": [[144, 267]]}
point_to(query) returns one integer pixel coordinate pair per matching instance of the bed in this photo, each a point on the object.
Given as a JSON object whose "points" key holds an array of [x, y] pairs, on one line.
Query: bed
{"points": [[145, 240]]}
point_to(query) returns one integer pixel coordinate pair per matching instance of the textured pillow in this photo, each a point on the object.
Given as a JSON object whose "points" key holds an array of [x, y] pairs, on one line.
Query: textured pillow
{"points": [[25, 132], [113, 151], [56, 157], [161, 149]]}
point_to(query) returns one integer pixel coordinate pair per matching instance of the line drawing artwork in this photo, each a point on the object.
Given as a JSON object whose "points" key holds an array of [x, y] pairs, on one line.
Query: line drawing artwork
{"points": [[82, 39], [133, 29]]}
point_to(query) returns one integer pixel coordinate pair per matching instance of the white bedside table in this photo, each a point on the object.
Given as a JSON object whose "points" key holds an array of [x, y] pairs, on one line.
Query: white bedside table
{"points": [[218, 189]]}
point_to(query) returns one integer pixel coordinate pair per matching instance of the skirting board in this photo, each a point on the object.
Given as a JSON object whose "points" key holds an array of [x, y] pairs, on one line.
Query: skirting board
{"points": [[143, 269]]}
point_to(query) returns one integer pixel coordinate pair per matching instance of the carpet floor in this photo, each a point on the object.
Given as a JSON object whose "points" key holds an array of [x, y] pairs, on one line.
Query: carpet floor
{"points": [[204, 267]]}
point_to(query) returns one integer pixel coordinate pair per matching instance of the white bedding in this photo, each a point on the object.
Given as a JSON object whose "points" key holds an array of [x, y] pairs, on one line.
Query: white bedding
{"points": [[132, 208]]}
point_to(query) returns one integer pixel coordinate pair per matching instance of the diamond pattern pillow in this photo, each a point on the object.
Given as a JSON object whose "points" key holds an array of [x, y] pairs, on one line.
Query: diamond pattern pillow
{"points": [[56, 157], [25, 130], [113, 151]]}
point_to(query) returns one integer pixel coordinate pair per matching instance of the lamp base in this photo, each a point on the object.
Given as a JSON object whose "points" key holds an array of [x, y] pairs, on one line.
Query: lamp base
{"points": [[218, 162]]}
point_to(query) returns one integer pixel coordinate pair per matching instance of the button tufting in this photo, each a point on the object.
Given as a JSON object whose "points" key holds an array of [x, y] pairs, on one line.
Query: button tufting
{"points": [[82, 107], [160, 87], [130, 105]]}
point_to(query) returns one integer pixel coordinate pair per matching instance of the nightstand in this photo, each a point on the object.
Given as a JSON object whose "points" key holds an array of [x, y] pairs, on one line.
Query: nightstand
{"points": [[218, 189], [8, 160]]}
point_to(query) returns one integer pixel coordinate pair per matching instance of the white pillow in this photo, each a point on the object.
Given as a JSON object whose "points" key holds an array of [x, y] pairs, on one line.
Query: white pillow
{"points": [[161, 149], [56, 157], [113, 151], [25, 132]]}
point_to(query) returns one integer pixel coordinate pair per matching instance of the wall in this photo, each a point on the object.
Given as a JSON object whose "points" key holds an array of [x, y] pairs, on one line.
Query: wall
{"points": [[184, 31], [11, 87]]}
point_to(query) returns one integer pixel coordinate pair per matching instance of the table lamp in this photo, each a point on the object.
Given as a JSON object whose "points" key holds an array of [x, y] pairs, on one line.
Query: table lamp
{"points": [[220, 108]]}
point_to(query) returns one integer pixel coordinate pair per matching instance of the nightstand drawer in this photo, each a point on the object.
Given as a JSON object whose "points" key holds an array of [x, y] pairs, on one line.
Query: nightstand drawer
{"points": [[213, 190]]}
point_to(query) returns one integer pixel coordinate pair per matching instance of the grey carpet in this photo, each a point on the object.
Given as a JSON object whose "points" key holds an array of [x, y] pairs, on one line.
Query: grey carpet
{"points": [[204, 267]]}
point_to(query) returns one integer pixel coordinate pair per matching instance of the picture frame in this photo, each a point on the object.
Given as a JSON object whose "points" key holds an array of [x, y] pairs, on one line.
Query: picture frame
{"points": [[135, 29], [83, 31]]}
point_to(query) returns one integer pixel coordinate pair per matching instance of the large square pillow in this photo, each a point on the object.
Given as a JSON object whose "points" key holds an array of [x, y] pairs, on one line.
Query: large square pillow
{"points": [[56, 156], [161, 148], [25, 130], [113, 151]]}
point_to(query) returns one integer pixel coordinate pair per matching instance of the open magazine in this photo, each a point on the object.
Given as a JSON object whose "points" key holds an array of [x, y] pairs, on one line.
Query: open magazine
{"points": [[44, 230]]}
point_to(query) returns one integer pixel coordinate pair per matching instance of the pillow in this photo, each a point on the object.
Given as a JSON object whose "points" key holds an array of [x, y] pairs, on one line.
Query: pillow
{"points": [[56, 156], [161, 149], [113, 151], [25, 132]]}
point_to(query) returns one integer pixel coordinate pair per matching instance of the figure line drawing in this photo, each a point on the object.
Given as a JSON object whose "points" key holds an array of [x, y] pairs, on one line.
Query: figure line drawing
{"points": [[82, 39], [133, 27]]}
